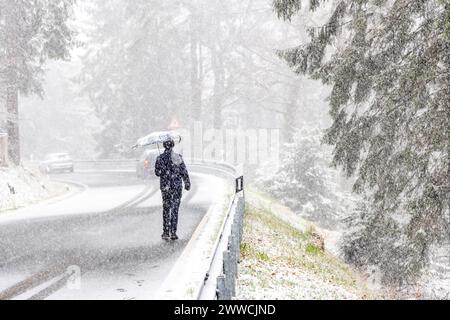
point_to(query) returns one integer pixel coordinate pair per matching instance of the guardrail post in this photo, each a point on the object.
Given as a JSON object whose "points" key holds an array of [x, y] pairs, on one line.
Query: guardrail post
{"points": [[239, 184], [238, 243], [228, 271], [221, 291], [234, 241], [231, 251], [240, 211]]}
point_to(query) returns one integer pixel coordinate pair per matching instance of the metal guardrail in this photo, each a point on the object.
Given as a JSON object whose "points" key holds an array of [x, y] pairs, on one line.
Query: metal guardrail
{"points": [[130, 164], [220, 280], [97, 165], [229, 253], [105, 164]]}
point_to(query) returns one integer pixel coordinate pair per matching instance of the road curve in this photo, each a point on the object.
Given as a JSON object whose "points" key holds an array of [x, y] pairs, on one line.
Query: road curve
{"points": [[101, 243]]}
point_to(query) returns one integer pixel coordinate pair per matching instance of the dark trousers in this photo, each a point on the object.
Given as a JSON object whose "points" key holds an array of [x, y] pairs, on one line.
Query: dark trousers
{"points": [[171, 203]]}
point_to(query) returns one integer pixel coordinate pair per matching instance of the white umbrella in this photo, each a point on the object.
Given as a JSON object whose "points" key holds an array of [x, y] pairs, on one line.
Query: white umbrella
{"points": [[157, 138]]}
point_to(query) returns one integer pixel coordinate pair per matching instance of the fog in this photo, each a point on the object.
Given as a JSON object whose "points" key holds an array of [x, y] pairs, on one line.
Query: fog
{"points": [[336, 109], [137, 66]]}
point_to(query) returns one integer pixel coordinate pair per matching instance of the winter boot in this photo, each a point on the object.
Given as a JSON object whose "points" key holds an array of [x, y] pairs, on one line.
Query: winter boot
{"points": [[165, 236]]}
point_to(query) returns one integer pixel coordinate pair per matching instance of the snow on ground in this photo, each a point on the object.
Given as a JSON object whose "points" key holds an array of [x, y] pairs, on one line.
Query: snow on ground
{"points": [[282, 260], [131, 282], [20, 186], [90, 201], [435, 283]]}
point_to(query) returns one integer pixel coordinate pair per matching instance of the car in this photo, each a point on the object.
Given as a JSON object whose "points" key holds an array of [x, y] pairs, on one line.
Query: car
{"points": [[57, 162], [145, 167]]}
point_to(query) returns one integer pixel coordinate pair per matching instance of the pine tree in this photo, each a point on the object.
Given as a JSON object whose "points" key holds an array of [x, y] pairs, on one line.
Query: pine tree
{"points": [[136, 71], [388, 65], [304, 182], [31, 32]]}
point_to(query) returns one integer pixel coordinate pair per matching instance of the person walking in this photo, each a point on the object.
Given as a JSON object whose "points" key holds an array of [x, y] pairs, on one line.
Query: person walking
{"points": [[171, 170]]}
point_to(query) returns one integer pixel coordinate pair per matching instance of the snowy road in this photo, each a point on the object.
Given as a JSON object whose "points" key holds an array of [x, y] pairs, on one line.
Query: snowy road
{"points": [[109, 231]]}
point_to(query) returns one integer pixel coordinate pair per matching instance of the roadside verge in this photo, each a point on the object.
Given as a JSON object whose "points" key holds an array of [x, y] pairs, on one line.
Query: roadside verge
{"points": [[284, 257]]}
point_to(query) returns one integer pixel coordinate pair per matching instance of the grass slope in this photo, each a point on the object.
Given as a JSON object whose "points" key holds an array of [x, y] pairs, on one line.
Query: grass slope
{"points": [[283, 261]]}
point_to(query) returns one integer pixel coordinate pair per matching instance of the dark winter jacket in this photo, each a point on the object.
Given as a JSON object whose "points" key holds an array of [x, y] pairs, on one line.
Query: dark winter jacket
{"points": [[171, 170]]}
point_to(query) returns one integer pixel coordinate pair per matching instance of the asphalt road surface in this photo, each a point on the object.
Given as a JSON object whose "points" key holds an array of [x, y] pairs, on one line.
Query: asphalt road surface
{"points": [[101, 242]]}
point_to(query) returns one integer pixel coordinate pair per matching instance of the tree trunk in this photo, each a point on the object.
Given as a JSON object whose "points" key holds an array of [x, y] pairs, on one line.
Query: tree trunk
{"points": [[196, 70], [219, 87], [12, 88], [291, 111], [12, 124]]}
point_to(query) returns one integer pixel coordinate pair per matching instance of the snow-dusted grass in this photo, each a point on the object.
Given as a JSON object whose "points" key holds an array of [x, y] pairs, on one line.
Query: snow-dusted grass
{"points": [[20, 186], [283, 261]]}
